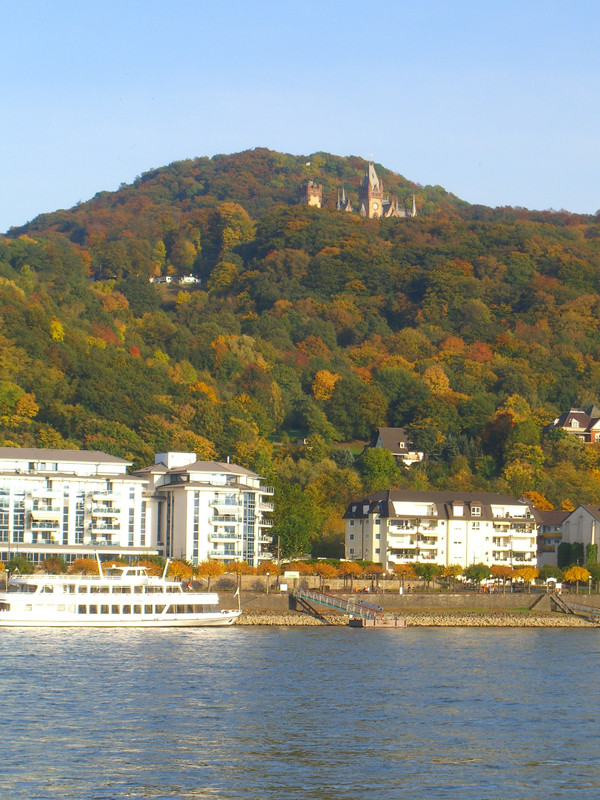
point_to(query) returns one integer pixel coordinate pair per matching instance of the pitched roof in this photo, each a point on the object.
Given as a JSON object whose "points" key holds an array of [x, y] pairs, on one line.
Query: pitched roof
{"points": [[42, 454], [445, 501]]}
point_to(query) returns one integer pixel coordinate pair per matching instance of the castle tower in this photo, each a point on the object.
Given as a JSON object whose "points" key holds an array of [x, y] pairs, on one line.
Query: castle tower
{"points": [[314, 194], [370, 195], [343, 203]]}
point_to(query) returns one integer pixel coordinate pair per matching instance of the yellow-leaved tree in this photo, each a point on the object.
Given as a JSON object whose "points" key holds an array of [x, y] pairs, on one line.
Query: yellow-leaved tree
{"points": [[209, 570], [527, 574], [576, 575]]}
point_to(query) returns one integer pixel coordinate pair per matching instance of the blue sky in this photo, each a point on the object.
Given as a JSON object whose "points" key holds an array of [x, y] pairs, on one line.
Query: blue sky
{"points": [[499, 102]]}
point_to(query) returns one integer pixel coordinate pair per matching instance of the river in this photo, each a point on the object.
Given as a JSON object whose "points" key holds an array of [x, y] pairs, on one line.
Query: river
{"points": [[275, 713]]}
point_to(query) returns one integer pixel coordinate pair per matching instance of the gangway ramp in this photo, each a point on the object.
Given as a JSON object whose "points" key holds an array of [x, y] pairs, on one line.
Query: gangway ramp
{"points": [[359, 609]]}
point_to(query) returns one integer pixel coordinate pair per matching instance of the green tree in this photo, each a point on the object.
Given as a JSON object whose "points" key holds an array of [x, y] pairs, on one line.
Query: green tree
{"points": [[296, 521], [378, 469], [477, 573]]}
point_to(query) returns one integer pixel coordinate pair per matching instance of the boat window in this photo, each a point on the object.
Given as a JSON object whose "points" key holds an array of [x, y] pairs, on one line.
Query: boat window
{"points": [[71, 588], [137, 609], [160, 609], [60, 607], [104, 609], [147, 609], [82, 609], [82, 589], [126, 609], [93, 610], [138, 589], [4, 606], [47, 589], [104, 590], [28, 607], [94, 589], [115, 610]]}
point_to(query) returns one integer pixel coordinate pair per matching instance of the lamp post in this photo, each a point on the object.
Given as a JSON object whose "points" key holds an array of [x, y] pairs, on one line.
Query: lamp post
{"points": [[268, 576], [590, 585]]}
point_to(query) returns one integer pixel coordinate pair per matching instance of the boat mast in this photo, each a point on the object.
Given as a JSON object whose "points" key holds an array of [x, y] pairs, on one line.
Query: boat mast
{"points": [[99, 564]]}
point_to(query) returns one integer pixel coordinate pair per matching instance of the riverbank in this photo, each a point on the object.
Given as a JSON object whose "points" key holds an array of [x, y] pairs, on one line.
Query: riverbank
{"points": [[429, 619]]}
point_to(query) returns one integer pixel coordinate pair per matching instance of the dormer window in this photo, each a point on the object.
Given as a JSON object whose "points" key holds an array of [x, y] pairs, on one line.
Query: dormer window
{"points": [[575, 423], [475, 511]]}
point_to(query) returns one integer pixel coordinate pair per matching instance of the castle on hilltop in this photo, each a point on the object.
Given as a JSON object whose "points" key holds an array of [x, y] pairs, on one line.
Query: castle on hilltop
{"points": [[372, 203]]}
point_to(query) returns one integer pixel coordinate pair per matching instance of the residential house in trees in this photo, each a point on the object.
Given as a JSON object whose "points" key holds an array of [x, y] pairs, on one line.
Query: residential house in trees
{"points": [[202, 510], [396, 441], [403, 527], [581, 422]]}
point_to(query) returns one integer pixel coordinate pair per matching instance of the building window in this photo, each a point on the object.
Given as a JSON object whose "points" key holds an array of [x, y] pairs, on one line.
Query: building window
{"points": [[351, 537], [476, 511], [476, 526], [143, 524], [351, 523], [131, 526], [351, 551], [196, 528]]}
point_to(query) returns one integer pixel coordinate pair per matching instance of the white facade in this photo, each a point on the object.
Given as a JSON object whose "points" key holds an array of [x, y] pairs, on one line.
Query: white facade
{"points": [[445, 528], [69, 503], [199, 510]]}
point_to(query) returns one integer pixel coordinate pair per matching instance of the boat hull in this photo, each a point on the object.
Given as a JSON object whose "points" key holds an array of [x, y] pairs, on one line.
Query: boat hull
{"points": [[75, 621]]}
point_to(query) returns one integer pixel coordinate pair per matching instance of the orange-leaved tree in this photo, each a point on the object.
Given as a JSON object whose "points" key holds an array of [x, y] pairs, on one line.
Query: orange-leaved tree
{"points": [[503, 572], [405, 571], [209, 570], [181, 570], [325, 572], [268, 566], [350, 570], [85, 566]]}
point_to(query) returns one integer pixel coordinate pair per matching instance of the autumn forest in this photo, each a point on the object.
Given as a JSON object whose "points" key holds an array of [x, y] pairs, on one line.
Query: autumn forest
{"points": [[470, 327]]}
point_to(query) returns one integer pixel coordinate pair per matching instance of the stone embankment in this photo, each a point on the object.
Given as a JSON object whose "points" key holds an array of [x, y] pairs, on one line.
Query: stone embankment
{"points": [[430, 619]]}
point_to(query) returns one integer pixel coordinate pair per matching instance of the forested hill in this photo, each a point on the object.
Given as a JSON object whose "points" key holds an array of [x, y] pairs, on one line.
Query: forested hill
{"points": [[469, 326]]}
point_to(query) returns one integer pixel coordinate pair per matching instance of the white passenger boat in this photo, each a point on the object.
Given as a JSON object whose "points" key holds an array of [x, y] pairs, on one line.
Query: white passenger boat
{"points": [[119, 597]]}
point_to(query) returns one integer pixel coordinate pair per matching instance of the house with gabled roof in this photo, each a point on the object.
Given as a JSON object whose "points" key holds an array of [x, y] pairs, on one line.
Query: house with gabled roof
{"points": [[403, 526], [581, 422], [583, 526], [396, 441]]}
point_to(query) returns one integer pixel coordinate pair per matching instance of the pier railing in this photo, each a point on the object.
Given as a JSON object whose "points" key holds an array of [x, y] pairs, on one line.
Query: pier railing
{"points": [[352, 607]]}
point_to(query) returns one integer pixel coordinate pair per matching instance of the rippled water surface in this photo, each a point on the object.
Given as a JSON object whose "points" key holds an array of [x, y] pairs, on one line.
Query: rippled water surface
{"points": [[296, 713]]}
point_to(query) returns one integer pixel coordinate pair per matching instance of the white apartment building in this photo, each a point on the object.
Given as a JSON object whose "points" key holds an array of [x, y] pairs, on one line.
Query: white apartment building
{"points": [[71, 503], [397, 526], [200, 510]]}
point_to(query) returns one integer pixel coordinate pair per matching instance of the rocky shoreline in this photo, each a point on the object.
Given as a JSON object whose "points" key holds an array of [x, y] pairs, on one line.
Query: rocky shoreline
{"points": [[430, 619]]}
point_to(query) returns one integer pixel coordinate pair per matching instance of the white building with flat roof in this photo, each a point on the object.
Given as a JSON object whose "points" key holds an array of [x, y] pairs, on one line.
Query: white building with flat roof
{"points": [[199, 510], [403, 527], [69, 503]]}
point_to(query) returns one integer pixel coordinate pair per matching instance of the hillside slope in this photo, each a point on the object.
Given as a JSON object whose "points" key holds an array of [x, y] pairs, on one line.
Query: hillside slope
{"points": [[472, 327]]}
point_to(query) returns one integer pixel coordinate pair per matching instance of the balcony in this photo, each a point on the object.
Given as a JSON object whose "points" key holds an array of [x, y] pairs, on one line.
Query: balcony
{"points": [[265, 506], [221, 536], [228, 520], [265, 555], [268, 490], [105, 511], [47, 514], [265, 523], [265, 539], [221, 554], [102, 529]]}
